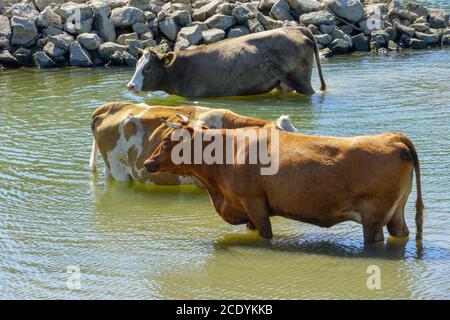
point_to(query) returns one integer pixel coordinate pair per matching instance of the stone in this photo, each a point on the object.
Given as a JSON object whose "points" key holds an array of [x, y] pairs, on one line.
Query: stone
{"points": [[23, 30], [206, 11], [107, 49], [42, 4], [79, 56], [62, 41], [417, 9], [325, 53], [182, 17], [134, 47], [126, 16], [225, 8], [392, 33], [220, 21], [254, 26], [266, 4], [169, 28], [348, 29], [327, 28], [407, 15], [445, 39], [123, 58], [381, 37], [192, 34], [52, 31], [280, 11], [430, 39], [84, 26], [404, 29], [23, 55], [7, 59], [421, 27], [213, 35], [71, 11], [304, 6], [23, 10], [102, 24], [371, 24], [238, 32], [53, 51], [317, 18], [339, 34], [243, 13], [140, 4], [127, 36], [417, 44], [393, 46], [4, 43], [181, 44], [350, 10], [267, 22], [41, 60], [323, 39], [146, 36], [5, 27], [140, 28], [438, 18], [89, 41], [44, 20], [149, 43], [360, 42], [340, 46]]}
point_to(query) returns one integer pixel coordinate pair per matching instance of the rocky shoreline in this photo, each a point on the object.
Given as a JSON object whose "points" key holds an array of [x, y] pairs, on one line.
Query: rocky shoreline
{"points": [[44, 33]]}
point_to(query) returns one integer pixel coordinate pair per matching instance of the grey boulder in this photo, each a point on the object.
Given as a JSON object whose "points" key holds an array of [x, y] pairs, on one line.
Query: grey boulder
{"points": [[79, 56], [89, 41], [23, 30]]}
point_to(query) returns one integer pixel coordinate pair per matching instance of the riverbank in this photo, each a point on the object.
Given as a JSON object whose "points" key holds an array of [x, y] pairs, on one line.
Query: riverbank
{"points": [[46, 33]]}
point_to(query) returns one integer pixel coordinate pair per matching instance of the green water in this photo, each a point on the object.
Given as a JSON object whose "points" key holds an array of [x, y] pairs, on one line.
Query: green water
{"points": [[135, 241]]}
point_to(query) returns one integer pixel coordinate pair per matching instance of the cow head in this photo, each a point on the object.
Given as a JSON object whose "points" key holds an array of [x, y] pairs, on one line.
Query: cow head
{"points": [[150, 70], [160, 160]]}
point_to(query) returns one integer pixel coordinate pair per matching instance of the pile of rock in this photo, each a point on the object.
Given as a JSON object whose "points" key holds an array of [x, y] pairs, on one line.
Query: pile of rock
{"points": [[47, 33]]}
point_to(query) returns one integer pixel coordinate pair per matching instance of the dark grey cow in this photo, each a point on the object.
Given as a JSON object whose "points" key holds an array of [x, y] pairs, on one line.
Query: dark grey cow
{"points": [[253, 64]]}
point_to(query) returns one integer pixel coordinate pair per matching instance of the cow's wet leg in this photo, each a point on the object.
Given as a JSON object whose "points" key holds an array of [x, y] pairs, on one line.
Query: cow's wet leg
{"points": [[373, 232], [250, 225], [258, 213], [397, 225]]}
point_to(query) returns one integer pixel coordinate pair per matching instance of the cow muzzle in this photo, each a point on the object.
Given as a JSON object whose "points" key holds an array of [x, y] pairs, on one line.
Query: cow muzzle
{"points": [[132, 87], [151, 166]]}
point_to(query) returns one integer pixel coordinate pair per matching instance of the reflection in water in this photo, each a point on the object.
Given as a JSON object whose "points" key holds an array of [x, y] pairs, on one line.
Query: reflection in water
{"points": [[141, 241]]}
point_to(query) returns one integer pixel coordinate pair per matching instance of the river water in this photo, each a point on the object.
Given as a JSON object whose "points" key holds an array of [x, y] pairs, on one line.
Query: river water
{"points": [[137, 241]]}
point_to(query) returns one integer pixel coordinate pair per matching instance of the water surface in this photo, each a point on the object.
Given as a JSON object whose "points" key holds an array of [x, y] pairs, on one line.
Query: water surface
{"points": [[136, 241]]}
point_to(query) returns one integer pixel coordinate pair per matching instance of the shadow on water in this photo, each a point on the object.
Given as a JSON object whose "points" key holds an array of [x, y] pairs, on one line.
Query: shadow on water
{"points": [[391, 249]]}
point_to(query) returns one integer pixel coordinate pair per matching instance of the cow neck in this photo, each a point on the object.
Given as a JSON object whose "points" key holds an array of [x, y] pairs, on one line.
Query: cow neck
{"points": [[209, 175]]}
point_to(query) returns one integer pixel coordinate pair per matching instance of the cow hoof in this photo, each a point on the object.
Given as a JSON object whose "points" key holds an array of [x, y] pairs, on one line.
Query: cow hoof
{"points": [[251, 226]]}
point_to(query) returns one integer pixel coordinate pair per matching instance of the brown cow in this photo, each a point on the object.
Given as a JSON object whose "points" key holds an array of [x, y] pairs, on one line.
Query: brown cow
{"points": [[253, 64], [126, 135], [321, 180]]}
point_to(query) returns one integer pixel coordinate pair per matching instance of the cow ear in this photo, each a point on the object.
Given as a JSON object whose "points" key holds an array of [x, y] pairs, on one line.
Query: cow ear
{"points": [[166, 58]]}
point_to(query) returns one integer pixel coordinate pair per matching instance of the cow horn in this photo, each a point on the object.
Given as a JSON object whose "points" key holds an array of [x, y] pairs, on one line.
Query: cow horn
{"points": [[171, 124], [184, 119]]}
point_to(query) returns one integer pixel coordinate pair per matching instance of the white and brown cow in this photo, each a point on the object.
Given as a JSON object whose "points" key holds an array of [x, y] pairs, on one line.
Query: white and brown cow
{"points": [[126, 134]]}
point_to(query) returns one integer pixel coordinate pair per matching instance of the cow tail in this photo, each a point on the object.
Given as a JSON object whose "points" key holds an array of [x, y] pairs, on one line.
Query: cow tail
{"points": [[94, 156], [419, 201], [309, 34]]}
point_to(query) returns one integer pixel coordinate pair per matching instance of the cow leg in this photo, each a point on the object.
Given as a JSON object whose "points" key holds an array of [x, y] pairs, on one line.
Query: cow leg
{"points": [[373, 232], [258, 213], [397, 225], [250, 225], [300, 81]]}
